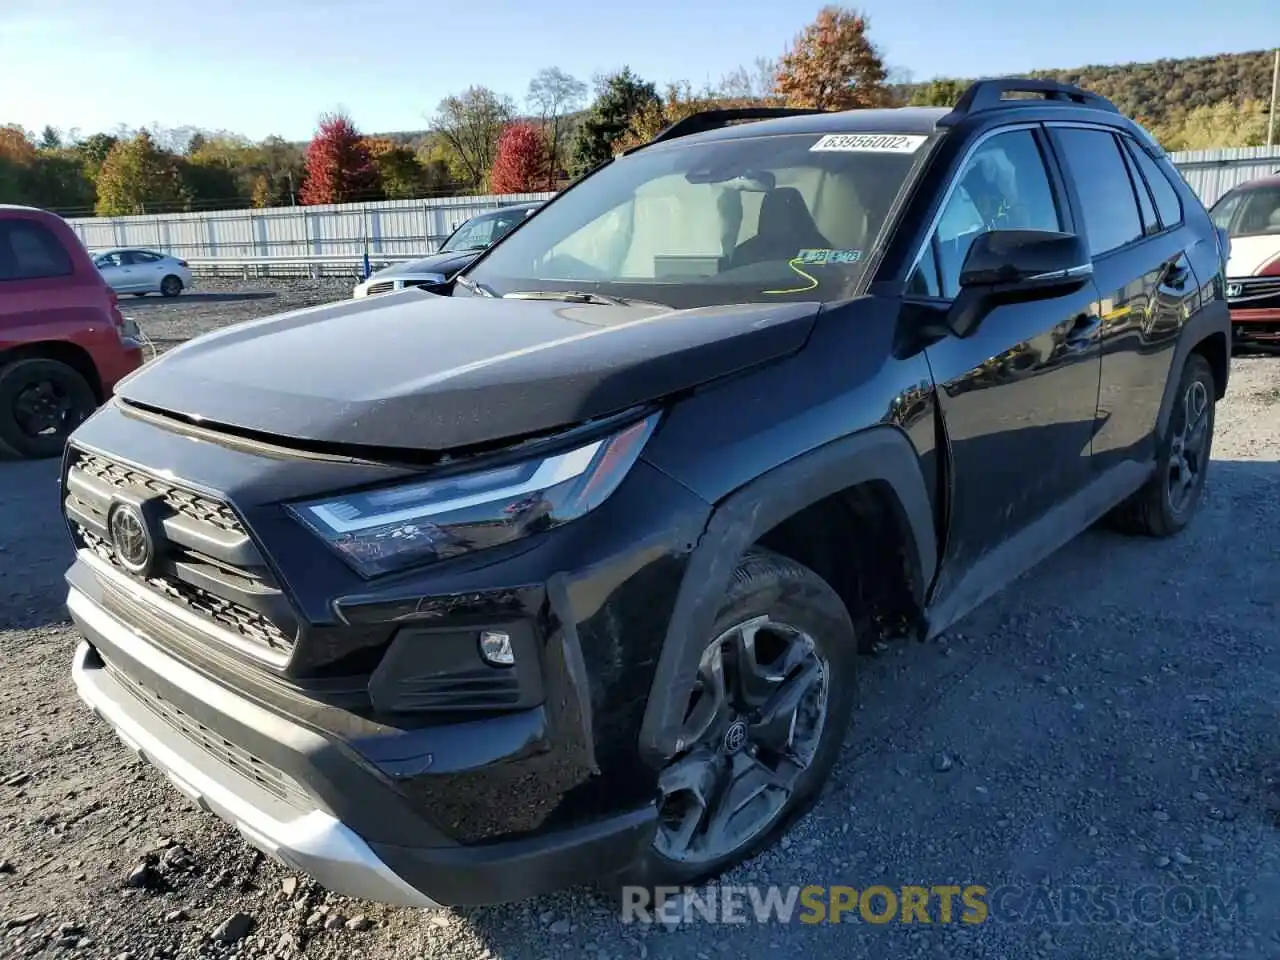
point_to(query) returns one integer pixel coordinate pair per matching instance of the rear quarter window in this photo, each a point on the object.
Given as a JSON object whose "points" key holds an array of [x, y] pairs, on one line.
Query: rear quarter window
{"points": [[30, 251]]}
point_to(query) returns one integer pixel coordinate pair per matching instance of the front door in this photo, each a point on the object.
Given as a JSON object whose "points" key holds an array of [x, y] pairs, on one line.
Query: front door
{"points": [[113, 270], [1018, 397]]}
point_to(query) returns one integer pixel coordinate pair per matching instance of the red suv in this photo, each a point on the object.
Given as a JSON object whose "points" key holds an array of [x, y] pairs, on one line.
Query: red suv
{"points": [[63, 342]]}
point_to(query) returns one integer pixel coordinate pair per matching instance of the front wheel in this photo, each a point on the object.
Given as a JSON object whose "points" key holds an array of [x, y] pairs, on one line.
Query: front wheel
{"points": [[41, 402], [170, 286], [763, 726], [1168, 501]]}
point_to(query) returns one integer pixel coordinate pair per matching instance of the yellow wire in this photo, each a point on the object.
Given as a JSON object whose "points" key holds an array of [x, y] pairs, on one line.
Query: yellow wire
{"points": [[813, 282]]}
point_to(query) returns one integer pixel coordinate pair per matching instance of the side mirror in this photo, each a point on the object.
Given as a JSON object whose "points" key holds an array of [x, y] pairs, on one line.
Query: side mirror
{"points": [[1014, 266]]}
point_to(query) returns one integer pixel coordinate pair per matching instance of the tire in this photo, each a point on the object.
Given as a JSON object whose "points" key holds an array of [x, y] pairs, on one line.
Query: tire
{"points": [[765, 586], [29, 426], [1162, 508], [170, 286]]}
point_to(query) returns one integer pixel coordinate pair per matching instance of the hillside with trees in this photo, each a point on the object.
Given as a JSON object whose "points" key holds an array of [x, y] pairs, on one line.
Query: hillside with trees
{"points": [[481, 140], [1194, 103]]}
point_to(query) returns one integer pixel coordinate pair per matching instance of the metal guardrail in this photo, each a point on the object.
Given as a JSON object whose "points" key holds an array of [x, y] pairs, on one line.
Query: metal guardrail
{"points": [[328, 265]]}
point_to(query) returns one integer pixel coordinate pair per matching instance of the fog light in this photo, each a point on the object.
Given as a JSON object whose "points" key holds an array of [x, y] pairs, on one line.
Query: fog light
{"points": [[495, 647]]}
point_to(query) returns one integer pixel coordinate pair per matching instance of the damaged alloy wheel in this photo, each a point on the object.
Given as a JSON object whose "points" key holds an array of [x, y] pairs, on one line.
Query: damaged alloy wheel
{"points": [[753, 729], [765, 719]]}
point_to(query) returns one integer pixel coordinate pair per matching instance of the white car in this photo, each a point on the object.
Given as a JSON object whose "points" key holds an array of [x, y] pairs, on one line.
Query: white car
{"points": [[143, 271], [1250, 214]]}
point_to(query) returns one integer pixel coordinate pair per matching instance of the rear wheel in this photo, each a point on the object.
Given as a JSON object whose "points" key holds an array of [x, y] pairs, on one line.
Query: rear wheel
{"points": [[1168, 501], [763, 726], [41, 402], [171, 286]]}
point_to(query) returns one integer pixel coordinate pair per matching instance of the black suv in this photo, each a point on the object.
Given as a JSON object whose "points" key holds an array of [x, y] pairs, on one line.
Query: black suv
{"points": [[562, 575]]}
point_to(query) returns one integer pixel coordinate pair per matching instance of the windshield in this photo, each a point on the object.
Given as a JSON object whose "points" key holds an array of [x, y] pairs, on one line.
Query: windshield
{"points": [[730, 221], [1249, 212], [478, 232]]}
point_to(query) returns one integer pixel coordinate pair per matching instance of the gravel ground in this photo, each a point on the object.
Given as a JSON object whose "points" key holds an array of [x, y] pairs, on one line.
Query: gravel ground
{"points": [[1110, 722]]}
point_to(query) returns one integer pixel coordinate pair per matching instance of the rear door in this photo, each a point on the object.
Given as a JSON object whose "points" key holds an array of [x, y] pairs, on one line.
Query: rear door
{"points": [[1141, 248], [148, 269], [1018, 397]]}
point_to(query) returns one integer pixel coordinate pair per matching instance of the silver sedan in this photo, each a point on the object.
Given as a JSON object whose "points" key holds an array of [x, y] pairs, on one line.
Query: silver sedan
{"points": [[143, 271]]}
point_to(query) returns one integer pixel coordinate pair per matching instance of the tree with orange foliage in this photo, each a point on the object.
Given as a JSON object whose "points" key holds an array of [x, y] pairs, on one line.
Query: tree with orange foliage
{"points": [[521, 162], [832, 65], [339, 167]]}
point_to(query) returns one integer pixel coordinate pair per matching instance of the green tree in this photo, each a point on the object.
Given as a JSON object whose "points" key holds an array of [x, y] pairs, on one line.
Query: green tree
{"points": [[939, 92], [1214, 127], [399, 171], [471, 123], [620, 98], [93, 152], [137, 177], [58, 182], [50, 138]]}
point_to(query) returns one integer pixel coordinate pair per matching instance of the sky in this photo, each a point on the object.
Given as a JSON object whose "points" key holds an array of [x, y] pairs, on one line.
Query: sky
{"points": [[260, 67]]}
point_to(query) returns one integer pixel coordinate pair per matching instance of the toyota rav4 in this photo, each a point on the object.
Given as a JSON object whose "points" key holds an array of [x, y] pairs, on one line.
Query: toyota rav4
{"points": [[563, 574]]}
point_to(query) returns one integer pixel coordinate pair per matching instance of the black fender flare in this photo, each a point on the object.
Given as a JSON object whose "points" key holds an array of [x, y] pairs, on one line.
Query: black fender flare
{"points": [[1210, 319], [881, 453]]}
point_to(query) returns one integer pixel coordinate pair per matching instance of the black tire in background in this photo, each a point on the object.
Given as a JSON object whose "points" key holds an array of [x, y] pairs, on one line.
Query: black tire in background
{"points": [[1168, 501], [799, 628], [170, 286], [41, 402]]}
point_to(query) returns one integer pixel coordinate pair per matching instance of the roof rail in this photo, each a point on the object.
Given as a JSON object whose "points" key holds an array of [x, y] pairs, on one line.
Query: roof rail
{"points": [[714, 119], [989, 95]]}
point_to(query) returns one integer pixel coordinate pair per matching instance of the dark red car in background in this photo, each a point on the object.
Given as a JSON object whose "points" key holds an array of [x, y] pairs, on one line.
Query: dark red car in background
{"points": [[64, 344]]}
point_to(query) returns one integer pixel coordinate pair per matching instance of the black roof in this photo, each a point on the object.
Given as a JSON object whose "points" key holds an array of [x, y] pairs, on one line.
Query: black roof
{"points": [[915, 120]]}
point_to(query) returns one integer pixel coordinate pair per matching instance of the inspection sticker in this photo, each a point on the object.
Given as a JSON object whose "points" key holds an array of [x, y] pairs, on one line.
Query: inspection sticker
{"points": [[871, 142]]}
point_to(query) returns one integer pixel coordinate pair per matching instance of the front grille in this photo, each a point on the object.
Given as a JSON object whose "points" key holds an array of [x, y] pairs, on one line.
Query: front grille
{"points": [[201, 509], [275, 782], [1248, 288], [383, 287], [248, 623], [205, 559]]}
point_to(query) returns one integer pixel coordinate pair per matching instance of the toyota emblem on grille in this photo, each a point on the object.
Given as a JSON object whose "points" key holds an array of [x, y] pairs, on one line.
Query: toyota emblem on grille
{"points": [[131, 538]]}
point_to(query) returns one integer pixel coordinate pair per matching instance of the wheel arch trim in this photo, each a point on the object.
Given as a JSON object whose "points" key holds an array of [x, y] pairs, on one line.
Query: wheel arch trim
{"points": [[882, 453]]}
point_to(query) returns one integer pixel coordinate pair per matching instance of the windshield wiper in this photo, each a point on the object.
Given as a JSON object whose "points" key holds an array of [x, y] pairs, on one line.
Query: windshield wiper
{"points": [[474, 287], [580, 296]]}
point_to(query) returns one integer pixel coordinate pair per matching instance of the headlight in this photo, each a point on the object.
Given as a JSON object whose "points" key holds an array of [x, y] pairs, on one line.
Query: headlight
{"points": [[386, 529]]}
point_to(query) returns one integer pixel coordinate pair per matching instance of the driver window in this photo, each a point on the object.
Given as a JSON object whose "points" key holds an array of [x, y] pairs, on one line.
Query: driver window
{"points": [[1003, 186]]}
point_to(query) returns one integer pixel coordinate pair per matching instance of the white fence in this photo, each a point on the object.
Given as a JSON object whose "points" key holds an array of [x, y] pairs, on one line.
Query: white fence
{"points": [[394, 227], [1211, 173]]}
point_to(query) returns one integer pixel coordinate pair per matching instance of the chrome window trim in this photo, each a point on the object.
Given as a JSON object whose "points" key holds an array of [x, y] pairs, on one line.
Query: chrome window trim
{"points": [[955, 182]]}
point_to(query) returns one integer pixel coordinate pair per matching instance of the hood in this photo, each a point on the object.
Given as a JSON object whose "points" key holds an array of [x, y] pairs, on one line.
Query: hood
{"points": [[1250, 254], [446, 263], [413, 370]]}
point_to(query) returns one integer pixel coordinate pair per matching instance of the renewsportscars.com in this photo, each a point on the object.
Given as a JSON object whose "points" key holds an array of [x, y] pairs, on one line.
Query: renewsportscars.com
{"points": [[937, 904]]}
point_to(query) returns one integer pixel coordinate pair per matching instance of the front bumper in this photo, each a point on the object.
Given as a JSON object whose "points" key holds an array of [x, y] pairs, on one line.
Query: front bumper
{"points": [[312, 842], [275, 813], [1261, 323]]}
